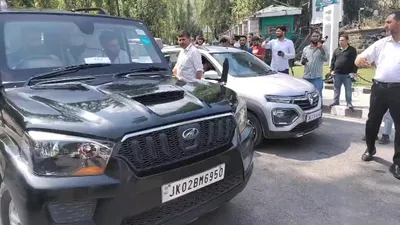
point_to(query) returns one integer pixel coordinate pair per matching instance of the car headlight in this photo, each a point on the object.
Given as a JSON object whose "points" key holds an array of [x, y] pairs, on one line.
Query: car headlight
{"points": [[63, 155], [241, 114], [283, 117], [279, 99]]}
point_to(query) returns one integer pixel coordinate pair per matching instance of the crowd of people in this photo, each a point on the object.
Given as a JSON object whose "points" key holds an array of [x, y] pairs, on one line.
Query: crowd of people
{"points": [[344, 64]]}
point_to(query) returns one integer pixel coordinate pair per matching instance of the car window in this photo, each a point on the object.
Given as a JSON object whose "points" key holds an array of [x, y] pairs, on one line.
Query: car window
{"points": [[41, 44], [173, 58], [242, 64]]}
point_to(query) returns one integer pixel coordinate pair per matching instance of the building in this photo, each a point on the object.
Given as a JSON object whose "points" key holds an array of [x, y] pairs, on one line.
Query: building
{"points": [[266, 20]]}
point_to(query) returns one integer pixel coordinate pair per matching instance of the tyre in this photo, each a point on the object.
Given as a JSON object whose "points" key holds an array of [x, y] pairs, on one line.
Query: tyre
{"points": [[8, 212], [258, 133]]}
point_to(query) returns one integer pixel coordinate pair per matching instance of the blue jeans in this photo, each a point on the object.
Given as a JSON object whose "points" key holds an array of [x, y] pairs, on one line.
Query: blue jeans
{"points": [[318, 83], [388, 124], [338, 80]]}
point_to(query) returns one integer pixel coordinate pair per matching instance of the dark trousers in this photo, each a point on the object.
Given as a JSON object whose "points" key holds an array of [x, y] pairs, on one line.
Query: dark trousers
{"points": [[284, 71], [338, 80], [382, 99]]}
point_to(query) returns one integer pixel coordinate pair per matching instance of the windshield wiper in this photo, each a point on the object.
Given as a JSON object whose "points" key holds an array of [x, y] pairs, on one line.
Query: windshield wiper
{"points": [[65, 70], [141, 70]]}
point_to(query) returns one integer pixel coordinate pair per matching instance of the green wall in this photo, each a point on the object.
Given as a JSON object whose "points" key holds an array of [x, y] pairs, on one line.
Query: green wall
{"points": [[270, 23]]}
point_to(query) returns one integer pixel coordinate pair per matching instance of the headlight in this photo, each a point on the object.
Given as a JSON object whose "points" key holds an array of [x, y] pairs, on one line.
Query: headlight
{"points": [[241, 114], [279, 99], [63, 155], [282, 117]]}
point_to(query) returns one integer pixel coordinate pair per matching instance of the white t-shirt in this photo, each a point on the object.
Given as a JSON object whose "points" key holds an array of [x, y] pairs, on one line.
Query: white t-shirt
{"points": [[189, 62], [385, 53], [286, 46]]}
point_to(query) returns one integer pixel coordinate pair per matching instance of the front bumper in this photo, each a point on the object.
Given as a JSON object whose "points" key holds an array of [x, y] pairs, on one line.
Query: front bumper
{"points": [[297, 129], [121, 198]]}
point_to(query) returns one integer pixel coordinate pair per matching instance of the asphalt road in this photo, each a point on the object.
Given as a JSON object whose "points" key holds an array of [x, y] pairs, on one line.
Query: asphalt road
{"points": [[316, 180]]}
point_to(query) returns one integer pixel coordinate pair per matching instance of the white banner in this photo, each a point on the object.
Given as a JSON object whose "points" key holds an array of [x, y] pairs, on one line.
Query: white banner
{"points": [[317, 9]]}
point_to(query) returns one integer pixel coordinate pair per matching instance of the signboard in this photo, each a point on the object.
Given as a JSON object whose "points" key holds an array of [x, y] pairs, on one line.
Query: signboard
{"points": [[318, 8]]}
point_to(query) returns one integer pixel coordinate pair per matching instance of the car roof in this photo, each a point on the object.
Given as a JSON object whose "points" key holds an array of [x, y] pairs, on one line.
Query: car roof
{"points": [[206, 48], [82, 11]]}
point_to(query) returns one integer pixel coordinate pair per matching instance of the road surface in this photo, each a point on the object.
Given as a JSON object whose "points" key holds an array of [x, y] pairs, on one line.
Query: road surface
{"points": [[316, 180]]}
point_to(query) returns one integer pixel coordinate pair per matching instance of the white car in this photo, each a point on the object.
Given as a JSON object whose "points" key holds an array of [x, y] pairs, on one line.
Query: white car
{"points": [[279, 105]]}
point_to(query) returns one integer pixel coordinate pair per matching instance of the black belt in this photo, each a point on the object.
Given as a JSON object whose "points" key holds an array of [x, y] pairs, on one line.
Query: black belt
{"points": [[385, 84]]}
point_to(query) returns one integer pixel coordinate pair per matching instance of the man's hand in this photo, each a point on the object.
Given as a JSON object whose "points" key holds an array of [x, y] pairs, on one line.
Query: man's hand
{"points": [[363, 62], [319, 45], [199, 75], [332, 72]]}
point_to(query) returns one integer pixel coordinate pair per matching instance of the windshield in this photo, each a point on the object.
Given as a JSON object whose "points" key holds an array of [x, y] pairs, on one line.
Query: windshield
{"points": [[37, 43], [243, 64]]}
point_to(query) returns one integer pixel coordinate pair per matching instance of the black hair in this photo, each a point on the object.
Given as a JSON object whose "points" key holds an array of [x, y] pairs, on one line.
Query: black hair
{"points": [[224, 40], [184, 33], [256, 38], [282, 28], [243, 36], [107, 36], [396, 15], [345, 36]]}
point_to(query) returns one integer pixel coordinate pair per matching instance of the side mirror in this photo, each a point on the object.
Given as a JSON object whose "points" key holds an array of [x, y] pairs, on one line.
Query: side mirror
{"points": [[212, 75], [225, 70], [167, 57]]}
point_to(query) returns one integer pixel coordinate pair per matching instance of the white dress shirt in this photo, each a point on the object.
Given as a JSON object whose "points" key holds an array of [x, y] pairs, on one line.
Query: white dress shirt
{"points": [[385, 53], [286, 46], [189, 62]]}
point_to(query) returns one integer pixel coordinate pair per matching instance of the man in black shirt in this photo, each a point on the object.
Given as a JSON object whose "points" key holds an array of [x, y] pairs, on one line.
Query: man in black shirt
{"points": [[343, 69]]}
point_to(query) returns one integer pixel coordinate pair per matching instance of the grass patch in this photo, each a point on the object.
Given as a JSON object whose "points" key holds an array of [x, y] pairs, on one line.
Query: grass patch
{"points": [[367, 74]]}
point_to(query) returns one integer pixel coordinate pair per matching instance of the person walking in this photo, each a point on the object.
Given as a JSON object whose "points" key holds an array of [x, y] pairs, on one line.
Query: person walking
{"points": [[313, 58], [282, 50], [385, 89], [189, 64], [343, 70]]}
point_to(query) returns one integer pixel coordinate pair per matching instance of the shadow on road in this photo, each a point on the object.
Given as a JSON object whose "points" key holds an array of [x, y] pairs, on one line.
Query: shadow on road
{"points": [[333, 138], [280, 194]]}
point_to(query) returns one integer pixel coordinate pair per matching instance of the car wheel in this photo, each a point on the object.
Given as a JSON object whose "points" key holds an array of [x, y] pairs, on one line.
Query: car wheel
{"points": [[255, 122], [8, 212]]}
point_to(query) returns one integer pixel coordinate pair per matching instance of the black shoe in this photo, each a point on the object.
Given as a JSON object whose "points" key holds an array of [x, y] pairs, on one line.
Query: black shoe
{"points": [[385, 139], [350, 106], [368, 155], [395, 170]]}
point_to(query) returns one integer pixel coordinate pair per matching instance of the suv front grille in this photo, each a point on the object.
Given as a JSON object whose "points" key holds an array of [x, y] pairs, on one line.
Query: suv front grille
{"points": [[187, 202], [166, 149], [305, 103]]}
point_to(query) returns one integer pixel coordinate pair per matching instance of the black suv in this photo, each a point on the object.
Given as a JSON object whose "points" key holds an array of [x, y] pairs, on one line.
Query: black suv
{"points": [[96, 131]]}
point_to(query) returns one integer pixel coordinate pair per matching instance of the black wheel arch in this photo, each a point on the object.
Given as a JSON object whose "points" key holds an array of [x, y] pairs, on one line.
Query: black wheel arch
{"points": [[257, 111]]}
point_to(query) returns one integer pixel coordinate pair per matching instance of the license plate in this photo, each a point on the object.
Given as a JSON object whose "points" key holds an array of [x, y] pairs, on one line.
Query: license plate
{"points": [[189, 184], [314, 115]]}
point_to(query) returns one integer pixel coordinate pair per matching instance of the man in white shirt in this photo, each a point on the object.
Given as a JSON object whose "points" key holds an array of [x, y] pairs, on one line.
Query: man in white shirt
{"points": [[189, 64], [385, 91], [111, 48], [282, 50]]}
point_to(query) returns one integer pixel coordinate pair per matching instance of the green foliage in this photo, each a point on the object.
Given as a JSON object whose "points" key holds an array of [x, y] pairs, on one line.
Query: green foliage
{"points": [[166, 17]]}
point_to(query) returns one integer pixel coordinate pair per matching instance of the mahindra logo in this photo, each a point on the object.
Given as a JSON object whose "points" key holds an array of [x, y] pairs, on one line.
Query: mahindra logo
{"points": [[190, 133]]}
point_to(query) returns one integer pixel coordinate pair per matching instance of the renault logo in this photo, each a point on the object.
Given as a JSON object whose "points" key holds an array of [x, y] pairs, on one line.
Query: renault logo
{"points": [[310, 98], [190, 133]]}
